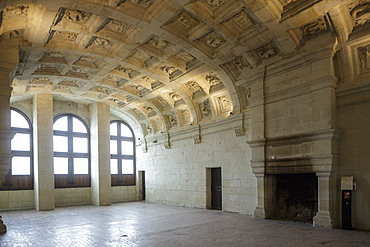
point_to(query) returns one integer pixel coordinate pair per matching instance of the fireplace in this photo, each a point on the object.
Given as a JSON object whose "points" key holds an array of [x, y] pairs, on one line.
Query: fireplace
{"points": [[295, 197]]}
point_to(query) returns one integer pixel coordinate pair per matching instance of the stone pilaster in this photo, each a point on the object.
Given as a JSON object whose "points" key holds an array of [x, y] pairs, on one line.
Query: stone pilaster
{"points": [[6, 134], [101, 190], [43, 152], [258, 168]]}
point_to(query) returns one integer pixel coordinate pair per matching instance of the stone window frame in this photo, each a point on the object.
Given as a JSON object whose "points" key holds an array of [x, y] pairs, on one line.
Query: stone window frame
{"points": [[72, 180], [21, 182], [121, 179]]}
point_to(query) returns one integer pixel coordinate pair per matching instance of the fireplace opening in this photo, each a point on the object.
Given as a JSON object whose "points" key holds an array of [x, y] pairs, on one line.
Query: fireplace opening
{"points": [[296, 197]]}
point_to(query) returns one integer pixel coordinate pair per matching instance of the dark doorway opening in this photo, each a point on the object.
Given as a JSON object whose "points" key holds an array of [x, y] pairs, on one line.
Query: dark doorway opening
{"points": [[296, 197], [216, 189], [142, 184]]}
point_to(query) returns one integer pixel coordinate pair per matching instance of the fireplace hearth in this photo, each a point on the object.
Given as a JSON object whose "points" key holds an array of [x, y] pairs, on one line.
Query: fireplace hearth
{"points": [[296, 197]]}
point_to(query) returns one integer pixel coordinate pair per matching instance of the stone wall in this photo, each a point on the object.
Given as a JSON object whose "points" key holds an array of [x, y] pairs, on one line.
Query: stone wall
{"points": [[17, 199], [72, 197], [354, 121], [177, 176]]}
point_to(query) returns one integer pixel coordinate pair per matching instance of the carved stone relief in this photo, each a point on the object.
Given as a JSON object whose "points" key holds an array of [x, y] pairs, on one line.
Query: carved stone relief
{"points": [[212, 79], [150, 111], [102, 43], [173, 121], [162, 101], [184, 56], [313, 29], [205, 109], [116, 26], [185, 116], [215, 3], [11, 34], [76, 16], [144, 2], [239, 132], [158, 42], [197, 139], [193, 87], [175, 97], [70, 36], [213, 40], [187, 21], [248, 95], [361, 13], [364, 57], [223, 103], [15, 11], [242, 20]]}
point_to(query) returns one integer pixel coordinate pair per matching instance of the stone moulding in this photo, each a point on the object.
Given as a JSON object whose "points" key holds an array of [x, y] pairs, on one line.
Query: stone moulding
{"points": [[296, 7]]}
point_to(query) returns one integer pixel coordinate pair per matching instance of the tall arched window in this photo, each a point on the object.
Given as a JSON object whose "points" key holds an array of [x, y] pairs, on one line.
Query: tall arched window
{"points": [[71, 144], [122, 154], [20, 176]]}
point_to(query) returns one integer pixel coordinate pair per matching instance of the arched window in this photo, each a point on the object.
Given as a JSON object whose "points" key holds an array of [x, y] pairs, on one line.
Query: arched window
{"points": [[20, 176], [122, 154], [71, 143]]}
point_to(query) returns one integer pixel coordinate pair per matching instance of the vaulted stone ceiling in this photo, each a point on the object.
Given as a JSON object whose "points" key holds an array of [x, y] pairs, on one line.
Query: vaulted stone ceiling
{"points": [[166, 63]]}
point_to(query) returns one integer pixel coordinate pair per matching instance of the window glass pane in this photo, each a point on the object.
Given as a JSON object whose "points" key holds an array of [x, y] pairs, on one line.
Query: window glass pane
{"points": [[113, 166], [113, 147], [17, 120], [80, 145], [21, 165], [61, 124], [127, 167], [113, 129], [60, 143], [81, 166], [21, 142], [60, 165], [125, 131], [78, 126], [127, 148]]}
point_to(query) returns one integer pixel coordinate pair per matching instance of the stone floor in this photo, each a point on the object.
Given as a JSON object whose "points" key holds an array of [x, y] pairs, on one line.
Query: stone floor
{"points": [[147, 224]]}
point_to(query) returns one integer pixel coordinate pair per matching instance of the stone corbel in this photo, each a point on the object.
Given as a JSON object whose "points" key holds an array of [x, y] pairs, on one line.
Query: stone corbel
{"points": [[197, 139], [144, 147], [239, 132], [167, 144]]}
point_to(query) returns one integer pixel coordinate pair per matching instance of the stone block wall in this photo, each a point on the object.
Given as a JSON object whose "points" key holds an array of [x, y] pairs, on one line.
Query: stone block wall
{"points": [[17, 199], [354, 146], [178, 176], [124, 193], [72, 197]]}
